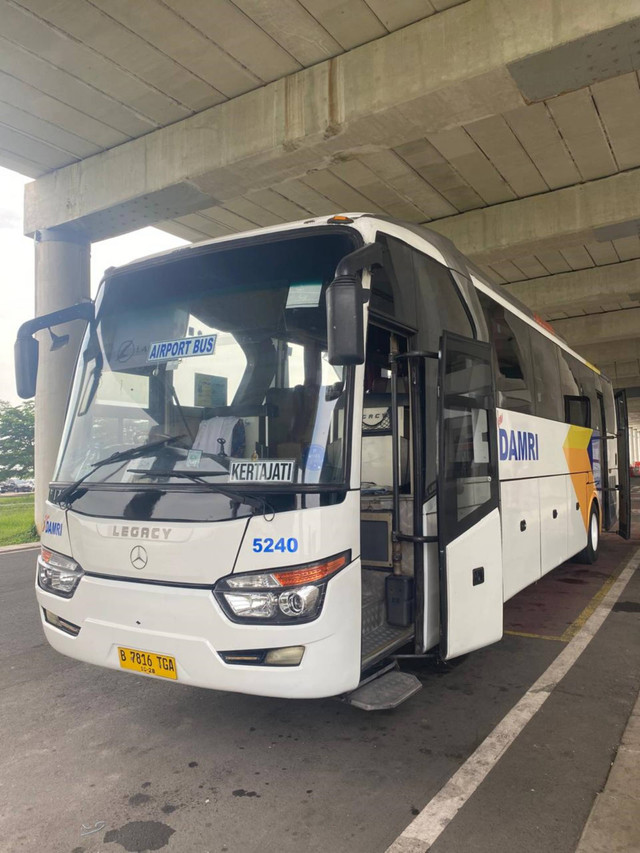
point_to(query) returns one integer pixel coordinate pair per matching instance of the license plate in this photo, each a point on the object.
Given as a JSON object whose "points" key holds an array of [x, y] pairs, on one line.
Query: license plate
{"points": [[148, 662]]}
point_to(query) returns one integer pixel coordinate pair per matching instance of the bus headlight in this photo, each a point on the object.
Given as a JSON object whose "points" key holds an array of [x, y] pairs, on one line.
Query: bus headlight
{"points": [[58, 574], [281, 596]]}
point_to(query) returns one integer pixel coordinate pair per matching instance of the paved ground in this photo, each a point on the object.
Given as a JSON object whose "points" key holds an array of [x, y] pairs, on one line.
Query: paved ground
{"points": [[156, 766], [614, 822]]}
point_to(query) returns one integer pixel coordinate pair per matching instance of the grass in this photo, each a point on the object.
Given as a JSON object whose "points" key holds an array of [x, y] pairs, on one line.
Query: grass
{"points": [[16, 520]]}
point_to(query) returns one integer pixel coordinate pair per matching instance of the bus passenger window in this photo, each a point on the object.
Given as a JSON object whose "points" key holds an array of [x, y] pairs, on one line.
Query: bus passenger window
{"points": [[547, 377], [578, 382], [577, 411], [510, 339], [570, 374]]}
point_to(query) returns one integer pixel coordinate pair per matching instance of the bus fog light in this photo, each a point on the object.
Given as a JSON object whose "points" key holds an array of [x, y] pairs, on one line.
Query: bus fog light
{"points": [[58, 574], [303, 601], [289, 656], [62, 624]]}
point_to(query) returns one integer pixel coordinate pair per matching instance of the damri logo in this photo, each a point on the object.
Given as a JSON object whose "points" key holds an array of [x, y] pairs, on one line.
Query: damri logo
{"points": [[519, 445], [52, 527]]}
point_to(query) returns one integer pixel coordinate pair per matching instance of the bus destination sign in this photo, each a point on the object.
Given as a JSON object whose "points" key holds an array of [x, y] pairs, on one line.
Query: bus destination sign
{"points": [[262, 471]]}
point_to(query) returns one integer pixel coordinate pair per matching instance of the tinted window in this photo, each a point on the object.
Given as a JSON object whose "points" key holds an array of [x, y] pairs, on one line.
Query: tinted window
{"points": [[577, 411], [417, 290], [547, 377], [468, 473], [586, 380], [509, 337], [596, 413], [570, 374], [609, 408], [439, 293], [393, 288]]}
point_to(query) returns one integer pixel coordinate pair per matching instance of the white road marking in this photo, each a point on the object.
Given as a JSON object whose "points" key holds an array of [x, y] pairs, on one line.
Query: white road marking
{"points": [[434, 818]]}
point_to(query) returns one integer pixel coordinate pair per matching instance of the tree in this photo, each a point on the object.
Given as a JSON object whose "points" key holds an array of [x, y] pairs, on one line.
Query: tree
{"points": [[16, 440]]}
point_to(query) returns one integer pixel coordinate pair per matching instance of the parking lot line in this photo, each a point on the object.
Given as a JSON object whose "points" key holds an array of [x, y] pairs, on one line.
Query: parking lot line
{"points": [[577, 623], [537, 636], [426, 828]]}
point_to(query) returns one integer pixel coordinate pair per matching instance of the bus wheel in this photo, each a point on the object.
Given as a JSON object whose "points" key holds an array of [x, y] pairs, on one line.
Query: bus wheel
{"points": [[590, 553]]}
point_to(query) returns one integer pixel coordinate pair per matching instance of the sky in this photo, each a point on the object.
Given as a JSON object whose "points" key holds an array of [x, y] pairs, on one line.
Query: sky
{"points": [[17, 279]]}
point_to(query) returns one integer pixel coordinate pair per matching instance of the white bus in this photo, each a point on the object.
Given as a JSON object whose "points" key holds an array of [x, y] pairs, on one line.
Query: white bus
{"points": [[291, 453]]}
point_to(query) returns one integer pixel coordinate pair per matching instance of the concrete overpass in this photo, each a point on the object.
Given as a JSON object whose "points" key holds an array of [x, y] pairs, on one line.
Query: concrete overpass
{"points": [[512, 127]]}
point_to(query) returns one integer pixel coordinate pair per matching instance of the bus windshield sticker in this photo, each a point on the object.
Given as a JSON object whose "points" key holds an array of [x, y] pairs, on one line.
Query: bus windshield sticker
{"points": [[262, 471], [182, 348], [304, 294], [193, 458]]}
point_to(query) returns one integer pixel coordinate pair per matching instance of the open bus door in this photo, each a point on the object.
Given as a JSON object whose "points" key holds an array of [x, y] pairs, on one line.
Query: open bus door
{"points": [[469, 530], [624, 480]]}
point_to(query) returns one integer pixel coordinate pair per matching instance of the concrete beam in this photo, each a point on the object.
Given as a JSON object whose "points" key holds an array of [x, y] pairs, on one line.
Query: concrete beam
{"points": [[623, 374], [622, 371], [579, 332], [444, 71], [612, 352], [629, 382], [582, 288], [599, 210]]}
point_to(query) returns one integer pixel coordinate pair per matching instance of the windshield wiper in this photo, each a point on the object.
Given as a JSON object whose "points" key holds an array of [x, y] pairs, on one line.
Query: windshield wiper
{"points": [[65, 498], [256, 503]]}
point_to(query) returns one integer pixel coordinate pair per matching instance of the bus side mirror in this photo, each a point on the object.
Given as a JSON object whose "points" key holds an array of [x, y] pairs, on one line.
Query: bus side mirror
{"points": [[26, 347], [26, 358], [345, 325], [345, 298]]}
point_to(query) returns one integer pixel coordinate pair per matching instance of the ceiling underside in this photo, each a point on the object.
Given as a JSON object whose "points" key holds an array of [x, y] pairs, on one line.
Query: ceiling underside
{"points": [[78, 77]]}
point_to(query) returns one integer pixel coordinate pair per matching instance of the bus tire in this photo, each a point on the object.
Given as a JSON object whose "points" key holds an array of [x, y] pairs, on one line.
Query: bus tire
{"points": [[590, 554]]}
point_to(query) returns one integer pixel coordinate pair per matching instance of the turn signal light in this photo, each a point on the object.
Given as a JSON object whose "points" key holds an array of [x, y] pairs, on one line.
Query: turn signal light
{"points": [[310, 574]]}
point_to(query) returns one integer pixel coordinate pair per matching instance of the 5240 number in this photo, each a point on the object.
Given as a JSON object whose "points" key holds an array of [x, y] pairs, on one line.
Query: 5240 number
{"points": [[268, 546]]}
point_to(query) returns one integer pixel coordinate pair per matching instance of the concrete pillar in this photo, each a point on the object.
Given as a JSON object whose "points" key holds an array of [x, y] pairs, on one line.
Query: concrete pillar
{"points": [[62, 272]]}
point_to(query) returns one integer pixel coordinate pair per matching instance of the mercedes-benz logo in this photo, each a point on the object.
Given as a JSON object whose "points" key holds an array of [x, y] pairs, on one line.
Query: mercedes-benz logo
{"points": [[138, 557], [127, 349]]}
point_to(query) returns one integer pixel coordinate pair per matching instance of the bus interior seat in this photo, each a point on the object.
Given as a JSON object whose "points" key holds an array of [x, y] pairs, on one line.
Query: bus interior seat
{"points": [[290, 413]]}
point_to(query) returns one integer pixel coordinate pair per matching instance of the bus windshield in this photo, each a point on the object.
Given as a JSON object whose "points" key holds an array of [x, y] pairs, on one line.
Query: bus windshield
{"points": [[224, 353]]}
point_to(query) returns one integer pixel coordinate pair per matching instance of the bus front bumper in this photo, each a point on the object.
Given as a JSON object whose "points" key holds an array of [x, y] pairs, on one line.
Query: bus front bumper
{"points": [[189, 626]]}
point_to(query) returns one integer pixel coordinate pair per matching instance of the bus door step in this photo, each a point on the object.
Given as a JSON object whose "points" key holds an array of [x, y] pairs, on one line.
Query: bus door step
{"points": [[385, 692]]}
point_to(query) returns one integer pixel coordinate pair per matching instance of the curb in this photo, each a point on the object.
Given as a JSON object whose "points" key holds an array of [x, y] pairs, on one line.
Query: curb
{"points": [[25, 546], [613, 818]]}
